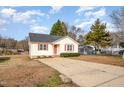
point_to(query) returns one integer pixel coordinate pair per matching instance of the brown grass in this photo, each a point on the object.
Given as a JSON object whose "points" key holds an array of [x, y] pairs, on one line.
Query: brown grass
{"points": [[112, 60], [20, 70]]}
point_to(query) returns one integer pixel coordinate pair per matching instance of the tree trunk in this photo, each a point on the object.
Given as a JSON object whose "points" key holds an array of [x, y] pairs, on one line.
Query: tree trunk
{"points": [[98, 52], [95, 50]]}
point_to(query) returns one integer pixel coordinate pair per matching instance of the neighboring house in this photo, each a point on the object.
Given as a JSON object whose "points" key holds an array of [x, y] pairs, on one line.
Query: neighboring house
{"points": [[117, 43], [49, 45], [86, 49]]}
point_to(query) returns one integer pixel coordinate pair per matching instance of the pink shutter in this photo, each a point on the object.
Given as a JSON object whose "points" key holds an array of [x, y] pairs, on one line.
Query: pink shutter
{"points": [[65, 47], [73, 47], [47, 46], [38, 46]]}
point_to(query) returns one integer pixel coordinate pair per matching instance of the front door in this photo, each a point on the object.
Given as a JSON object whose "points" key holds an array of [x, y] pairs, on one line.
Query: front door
{"points": [[55, 49]]}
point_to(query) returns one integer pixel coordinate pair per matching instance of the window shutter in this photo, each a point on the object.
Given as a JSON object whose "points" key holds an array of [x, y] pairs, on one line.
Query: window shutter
{"points": [[65, 47], [73, 47], [47, 46], [38, 46]]}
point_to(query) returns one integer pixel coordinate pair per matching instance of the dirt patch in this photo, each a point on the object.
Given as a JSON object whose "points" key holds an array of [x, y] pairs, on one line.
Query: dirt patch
{"points": [[112, 60], [20, 70]]}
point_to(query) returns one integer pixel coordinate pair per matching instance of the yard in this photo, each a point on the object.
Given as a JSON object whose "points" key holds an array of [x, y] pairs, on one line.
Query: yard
{"points": [[20, 70], [112, 60]]}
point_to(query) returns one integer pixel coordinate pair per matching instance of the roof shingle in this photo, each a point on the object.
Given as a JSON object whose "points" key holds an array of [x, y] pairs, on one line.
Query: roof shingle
{"points": [[34, 37]]}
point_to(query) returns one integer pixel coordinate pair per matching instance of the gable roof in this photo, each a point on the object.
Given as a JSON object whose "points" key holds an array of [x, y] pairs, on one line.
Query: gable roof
{"points": [[35, 37], [64, 38]]}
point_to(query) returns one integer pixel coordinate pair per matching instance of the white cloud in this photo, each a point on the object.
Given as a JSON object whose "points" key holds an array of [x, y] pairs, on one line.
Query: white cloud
{"points": [[7, 12], [25, 16], [85, 23], [84, 8], [17, 16], [29, 18], [55, 9], [48, 16], [3, 24], [96, 14], [76, 21], [38, 29], [90, 17]]}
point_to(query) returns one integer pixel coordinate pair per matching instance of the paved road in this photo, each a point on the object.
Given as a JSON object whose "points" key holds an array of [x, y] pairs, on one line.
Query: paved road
{"points": [[88, 74]]}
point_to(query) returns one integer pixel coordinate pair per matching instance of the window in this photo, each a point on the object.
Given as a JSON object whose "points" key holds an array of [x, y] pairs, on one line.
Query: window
{"points": [[43, 47], [121, 44], [114, 46], [69, 47]]}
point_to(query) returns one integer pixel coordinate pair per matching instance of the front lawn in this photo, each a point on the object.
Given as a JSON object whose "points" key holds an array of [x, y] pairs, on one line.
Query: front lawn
{"points": [[20, 70], [112, 60]]}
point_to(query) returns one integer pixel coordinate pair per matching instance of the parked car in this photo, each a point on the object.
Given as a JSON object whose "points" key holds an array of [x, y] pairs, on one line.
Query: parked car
{"points": [[20, 51], [121, 52]]}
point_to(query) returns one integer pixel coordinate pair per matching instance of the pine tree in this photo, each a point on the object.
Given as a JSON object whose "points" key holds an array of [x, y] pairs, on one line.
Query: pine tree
{"points": [[59, 29], [65, 30], [98, 36]]}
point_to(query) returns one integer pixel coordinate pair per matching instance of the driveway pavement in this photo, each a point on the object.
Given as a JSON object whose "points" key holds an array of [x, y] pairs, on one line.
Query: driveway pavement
{"points": [[87, 74]]}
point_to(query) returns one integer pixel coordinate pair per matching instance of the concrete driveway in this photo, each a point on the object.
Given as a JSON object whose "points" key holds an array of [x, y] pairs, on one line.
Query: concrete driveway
{"points": [[88, 74]]}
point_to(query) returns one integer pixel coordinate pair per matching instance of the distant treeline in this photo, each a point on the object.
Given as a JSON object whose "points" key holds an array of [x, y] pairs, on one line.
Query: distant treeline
{"points": [[10, 43]]}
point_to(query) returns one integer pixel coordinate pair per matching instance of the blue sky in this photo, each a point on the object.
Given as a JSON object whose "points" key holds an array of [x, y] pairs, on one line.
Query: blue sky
{"points": [[17, 22]]}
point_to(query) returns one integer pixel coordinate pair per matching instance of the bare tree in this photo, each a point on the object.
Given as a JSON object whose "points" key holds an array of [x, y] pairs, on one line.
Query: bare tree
{"points": [[74, 32], [10, 43], [81, 39], [23, 44], [118, 21]]}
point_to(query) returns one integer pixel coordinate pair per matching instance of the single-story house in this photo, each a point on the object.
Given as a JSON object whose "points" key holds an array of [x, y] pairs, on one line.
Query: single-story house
{"points": [[50, 45]]}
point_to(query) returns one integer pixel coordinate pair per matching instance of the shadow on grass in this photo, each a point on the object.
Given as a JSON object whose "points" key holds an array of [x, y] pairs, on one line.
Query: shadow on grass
{"points": [[4, 59]]}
